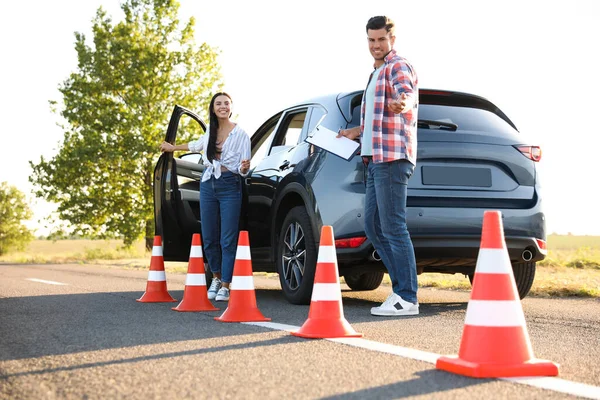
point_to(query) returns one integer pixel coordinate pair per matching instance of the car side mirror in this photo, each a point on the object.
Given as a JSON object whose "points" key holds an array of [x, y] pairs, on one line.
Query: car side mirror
{"points": [[195, 158]]}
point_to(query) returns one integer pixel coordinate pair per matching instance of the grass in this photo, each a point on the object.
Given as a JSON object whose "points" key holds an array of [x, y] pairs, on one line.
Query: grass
{"points": [[571, 269]]}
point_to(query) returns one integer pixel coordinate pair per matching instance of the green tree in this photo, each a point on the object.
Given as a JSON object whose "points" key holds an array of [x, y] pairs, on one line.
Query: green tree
{"points": [[13, 211], [116, 108]]}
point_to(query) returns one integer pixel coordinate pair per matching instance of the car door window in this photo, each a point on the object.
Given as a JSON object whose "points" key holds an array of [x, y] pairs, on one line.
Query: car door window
{"points": [[316, 116], [260, 146], [290, 132]]}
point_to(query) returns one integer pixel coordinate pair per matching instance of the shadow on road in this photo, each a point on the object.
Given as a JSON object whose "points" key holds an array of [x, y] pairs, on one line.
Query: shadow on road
{"points": [[427, 382], [37, 326]]}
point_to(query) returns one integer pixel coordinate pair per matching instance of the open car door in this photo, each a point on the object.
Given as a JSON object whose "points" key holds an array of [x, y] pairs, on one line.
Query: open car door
{"points": [[176, 187]]}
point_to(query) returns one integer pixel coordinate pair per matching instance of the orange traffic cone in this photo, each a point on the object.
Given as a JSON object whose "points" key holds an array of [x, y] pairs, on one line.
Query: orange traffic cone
{"points": [[242, 299], [495, 342], [326, 316], [195, 296], [156, 288]]}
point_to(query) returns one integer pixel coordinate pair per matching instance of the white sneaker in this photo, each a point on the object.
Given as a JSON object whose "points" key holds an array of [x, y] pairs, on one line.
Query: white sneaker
{"points": [[394, 305], [223, 294], [215, 285]]}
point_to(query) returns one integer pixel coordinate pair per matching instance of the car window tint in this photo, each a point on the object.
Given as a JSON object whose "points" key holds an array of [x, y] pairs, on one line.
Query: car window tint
{"points": [[289, 132], [355, 116], [315, 118], [470, 119], [294, 129], [259, 151], [188, 129]]}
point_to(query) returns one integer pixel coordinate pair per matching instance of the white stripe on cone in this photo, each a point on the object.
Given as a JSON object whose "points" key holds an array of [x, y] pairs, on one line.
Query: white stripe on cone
{"points": [[493, 261], [326, 292], [157, 276], [157, 251], [243, 253], [495, 313], [196, 252], [327, 254], [242, 283], [195, 280]]}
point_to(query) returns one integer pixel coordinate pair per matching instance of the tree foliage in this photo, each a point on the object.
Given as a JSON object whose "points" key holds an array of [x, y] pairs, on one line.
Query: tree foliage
{"points": [[13, 211], [116, 109]]}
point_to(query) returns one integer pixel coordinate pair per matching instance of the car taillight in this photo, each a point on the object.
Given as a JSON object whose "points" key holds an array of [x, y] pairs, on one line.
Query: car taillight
{"points": [[350, 242], [542, 246], [534, 153]]}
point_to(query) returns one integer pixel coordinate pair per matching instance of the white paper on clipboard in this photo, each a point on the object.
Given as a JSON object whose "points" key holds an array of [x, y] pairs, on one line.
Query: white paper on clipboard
{"points": [[327, 140]]}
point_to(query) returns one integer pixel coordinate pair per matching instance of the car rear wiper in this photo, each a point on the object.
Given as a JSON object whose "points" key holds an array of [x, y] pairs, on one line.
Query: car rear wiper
{"points": [[427, 123]]}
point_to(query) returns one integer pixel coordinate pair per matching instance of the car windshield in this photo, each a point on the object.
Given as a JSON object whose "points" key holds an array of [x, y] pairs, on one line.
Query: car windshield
{"points": [[474, 120]]}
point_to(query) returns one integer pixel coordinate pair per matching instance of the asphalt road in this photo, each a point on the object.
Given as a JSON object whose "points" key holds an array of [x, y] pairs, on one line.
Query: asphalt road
{"points": [[76, 331]]}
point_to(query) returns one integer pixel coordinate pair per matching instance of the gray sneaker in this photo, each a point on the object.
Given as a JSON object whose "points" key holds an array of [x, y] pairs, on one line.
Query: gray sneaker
{"points": [[215, 285], [223, 294], [394, 305]]}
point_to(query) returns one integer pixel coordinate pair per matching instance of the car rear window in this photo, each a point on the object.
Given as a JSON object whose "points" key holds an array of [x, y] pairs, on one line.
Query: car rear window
{"points": [[468, 118], [474, 120]]}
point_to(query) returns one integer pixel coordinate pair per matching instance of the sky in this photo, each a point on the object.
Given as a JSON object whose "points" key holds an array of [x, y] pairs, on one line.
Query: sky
{"points": [[538, 61]]}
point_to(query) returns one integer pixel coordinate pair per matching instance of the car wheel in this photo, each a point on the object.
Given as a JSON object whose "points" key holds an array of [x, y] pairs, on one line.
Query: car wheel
{"points": [[365, 281], [524, 273], [297, 256]]}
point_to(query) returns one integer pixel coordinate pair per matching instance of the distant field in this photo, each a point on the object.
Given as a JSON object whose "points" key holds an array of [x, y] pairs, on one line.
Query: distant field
{"points": [[572, 267], [46, 251], [569, 242], [573, 251]]}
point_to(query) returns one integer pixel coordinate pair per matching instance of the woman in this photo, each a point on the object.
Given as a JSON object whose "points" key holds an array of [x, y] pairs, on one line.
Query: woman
{"points": [[226, 159]]}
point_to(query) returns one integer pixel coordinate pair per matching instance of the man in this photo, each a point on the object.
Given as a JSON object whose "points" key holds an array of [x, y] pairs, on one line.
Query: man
{"points": [[388, 134]]}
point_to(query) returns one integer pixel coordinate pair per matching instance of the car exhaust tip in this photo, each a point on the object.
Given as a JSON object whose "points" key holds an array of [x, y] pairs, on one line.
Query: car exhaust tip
{"points": [[375, 256], [527, 255]]}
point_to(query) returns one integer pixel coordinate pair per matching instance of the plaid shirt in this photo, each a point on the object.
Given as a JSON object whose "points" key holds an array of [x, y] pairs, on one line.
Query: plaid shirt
{"points": [[394, 135]]}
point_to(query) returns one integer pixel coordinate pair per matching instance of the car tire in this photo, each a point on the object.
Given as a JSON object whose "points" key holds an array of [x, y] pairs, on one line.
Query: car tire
{"points": [[365, 281], [297, 256], [524, 273]]}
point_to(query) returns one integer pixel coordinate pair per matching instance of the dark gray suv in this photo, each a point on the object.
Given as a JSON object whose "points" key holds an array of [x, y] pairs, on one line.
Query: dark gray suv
{"points": [[471, 158]]}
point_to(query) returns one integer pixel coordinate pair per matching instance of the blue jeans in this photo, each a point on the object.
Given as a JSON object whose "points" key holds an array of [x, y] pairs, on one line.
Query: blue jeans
{"points": [[385, 223], [220, 207]]}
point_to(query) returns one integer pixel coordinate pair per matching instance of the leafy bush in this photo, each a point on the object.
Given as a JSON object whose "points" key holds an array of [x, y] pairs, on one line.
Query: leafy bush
{"points": [[13, 211]]}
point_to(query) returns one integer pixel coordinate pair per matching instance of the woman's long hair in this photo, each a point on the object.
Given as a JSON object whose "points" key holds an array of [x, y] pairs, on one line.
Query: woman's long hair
{"points": [[211, 148]]}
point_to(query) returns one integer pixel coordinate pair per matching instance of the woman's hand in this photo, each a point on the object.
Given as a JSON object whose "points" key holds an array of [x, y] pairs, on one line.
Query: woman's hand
{"points": [[166, 147], [245, 166]]}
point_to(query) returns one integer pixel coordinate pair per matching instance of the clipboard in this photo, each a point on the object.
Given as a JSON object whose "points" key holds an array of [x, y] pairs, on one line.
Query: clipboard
{"points": [[326, 139]]}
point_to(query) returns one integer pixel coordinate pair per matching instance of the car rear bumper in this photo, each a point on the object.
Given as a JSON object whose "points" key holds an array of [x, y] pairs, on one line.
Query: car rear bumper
{"points": [[452, 243], [520, 249]]}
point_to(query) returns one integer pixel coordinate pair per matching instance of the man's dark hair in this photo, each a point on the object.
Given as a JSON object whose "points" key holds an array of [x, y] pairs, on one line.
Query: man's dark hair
{"points": [[380, 22]]}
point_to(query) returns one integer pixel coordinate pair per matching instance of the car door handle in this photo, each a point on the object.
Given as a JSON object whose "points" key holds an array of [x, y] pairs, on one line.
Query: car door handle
{"points": [[285, 164]]}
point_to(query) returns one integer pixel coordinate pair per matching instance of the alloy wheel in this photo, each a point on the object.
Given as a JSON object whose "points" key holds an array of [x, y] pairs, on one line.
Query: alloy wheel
{"points": [[293, 257]]}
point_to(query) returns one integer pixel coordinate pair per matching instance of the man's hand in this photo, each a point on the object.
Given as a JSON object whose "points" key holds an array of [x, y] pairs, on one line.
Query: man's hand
{"points": [[351, 133], [398, 105]]}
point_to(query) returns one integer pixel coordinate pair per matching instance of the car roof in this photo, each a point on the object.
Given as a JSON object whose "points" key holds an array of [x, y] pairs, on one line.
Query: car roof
{"points": [[426, 96]]}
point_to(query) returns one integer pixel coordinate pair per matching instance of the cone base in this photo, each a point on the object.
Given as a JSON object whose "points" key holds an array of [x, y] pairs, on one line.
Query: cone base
{"points": [[195, 298], [240, 315], [533, 367], [326, 329], [194, 308], [156, 298]]}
